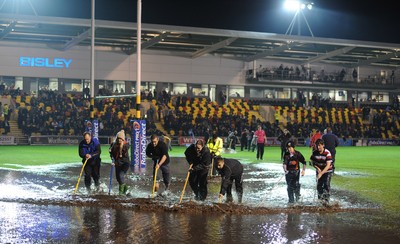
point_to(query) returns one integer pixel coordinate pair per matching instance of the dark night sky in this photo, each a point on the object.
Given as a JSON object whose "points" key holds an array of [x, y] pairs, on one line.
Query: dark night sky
{"points": [[345, 19]]}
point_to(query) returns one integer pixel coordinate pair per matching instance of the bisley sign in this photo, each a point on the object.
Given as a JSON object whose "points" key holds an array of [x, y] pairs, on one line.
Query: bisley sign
{"points": [[59, 63]]}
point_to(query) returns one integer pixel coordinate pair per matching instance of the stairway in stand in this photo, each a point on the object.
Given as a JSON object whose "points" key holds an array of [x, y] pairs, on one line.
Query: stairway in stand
{"points": [[20, 138]]}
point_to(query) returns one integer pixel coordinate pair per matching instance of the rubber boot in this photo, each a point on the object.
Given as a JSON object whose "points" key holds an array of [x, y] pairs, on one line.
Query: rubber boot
{"points": [[229, 199], [125, 190], [121, 189], [239, 198]]}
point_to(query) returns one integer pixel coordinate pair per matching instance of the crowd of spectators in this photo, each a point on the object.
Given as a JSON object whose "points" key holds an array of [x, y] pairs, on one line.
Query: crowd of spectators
{"points": [[303, 73], [376, 124], [54, 113]]}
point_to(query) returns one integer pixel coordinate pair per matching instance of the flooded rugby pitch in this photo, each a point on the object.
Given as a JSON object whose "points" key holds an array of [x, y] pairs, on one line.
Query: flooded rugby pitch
{"points": [[37, 205]]}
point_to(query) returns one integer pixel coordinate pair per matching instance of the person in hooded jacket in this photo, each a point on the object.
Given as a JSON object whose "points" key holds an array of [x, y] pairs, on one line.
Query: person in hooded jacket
{"points": [[199, 157], [119, 152], [90, 150]]}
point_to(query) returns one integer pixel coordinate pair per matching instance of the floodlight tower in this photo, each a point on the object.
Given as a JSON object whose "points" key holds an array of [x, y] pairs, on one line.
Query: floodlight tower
{"points": [[298, 6]]}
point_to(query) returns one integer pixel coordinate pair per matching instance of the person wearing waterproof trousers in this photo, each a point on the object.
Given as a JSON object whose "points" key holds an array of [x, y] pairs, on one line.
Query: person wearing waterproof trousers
{"points": [[90, 150], [291, 166], [321, 160], [119, 152], [158, 151], [199, 156], [230, 170]]}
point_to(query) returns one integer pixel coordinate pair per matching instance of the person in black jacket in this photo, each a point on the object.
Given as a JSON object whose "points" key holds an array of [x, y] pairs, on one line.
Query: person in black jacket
{"points": [[284, 138], [291, 166], [119, 152], [331, 141], [199, 157], [230, 170], [158, 151]]}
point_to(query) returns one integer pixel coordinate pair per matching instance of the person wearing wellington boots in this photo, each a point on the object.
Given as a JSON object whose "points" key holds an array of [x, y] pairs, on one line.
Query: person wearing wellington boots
{"points": [[119, 151]]}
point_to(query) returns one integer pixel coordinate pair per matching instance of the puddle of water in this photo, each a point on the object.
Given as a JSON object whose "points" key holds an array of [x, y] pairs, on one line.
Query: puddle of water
{"points": [[38, 206]]}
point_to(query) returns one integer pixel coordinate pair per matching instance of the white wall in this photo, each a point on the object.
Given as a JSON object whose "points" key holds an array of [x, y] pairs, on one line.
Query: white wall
{"points": [[119, 66]]}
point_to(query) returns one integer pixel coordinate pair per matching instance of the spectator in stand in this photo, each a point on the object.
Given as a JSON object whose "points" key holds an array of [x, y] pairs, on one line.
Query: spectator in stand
{"points": [[6, 112], [86, 92], [355, 74]]}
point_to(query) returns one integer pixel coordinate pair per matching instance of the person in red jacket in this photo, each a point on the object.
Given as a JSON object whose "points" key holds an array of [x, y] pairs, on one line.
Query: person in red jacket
{"points": [[261, 138], [314, 138]]}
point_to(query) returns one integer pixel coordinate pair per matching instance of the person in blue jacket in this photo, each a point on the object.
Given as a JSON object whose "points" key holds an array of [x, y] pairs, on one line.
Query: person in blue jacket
{"points": [[90, 150]]}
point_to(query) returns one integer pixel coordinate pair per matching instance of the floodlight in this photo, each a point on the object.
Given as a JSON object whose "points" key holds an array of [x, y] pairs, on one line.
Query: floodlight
{"points": [[292, 5], [298, 6]]}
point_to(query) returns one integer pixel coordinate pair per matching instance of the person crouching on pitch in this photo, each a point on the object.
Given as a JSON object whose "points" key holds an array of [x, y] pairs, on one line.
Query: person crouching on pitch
{"points": [[230, 170], [199, 157], [158, 151], [291, 166], [119, 151], [90, 150]]}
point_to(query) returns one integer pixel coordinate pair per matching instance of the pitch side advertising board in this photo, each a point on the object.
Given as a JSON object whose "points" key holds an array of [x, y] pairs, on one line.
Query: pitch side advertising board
{"points": [[138, 145]]}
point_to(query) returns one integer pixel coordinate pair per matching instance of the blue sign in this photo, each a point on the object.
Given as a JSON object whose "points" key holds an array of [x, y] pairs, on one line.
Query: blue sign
{"points": [[139, 144], [45, 62]]}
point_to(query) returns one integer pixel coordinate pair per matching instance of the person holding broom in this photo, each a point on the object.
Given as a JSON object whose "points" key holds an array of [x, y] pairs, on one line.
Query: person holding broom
{"points": [[158, 151], [199, 157], [89, 151], [119, 152], [291, 166], [230, 170]]}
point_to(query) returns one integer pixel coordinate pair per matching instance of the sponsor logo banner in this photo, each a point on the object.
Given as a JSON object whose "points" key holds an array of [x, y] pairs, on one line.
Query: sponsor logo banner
{"points": [[380, 142], [7, 140], [55, 140], [185, 140], [139, 144], [58, 63]]}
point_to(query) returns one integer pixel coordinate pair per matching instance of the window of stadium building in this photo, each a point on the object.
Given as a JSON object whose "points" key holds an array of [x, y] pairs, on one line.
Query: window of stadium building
{"points": [[179, 89], [236, 91], [73, 85]]}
